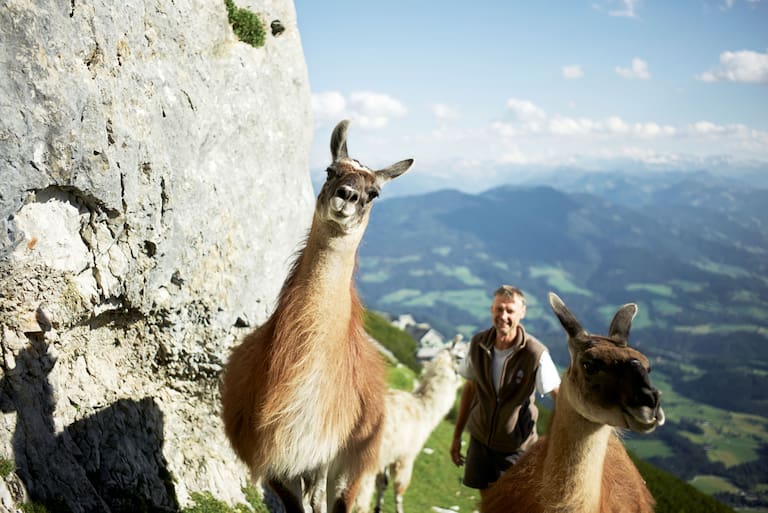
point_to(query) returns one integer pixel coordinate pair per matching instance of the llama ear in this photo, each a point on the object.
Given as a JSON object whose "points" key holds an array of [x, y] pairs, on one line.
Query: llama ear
{"points": [[393, 171], [571, 326], [339, 141], [622, 321]]}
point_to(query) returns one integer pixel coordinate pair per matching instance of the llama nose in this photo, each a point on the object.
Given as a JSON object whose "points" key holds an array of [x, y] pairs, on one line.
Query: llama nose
{"points": [[347, 193], [649, 397]]}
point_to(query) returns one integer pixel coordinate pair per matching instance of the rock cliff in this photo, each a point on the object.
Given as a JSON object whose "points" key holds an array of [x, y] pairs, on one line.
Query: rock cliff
{"points": [[154, 187]]}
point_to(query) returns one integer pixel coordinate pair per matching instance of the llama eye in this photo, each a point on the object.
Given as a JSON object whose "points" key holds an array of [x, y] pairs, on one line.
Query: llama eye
{"points": [[373, 194], [590, 367], [330, 173]]}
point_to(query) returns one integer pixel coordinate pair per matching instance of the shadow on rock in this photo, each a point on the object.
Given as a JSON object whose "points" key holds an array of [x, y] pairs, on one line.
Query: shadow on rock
{"points": [[111, 461]]}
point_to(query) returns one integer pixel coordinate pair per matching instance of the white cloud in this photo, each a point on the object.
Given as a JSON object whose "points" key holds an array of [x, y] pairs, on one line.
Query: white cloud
{"points": [[571, 126], [328, 106], [524, 110], [638, 70], [653, 130], [374, 110], [741, 66], [730, 3], [528, 120], [444, 112], [513, 155], [627, 9], [366, 109], [616, 125], [572, 72], [705, 128]]}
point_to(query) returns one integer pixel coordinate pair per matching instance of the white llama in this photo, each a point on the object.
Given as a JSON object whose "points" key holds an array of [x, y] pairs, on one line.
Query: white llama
{"points": [[409, 420]]}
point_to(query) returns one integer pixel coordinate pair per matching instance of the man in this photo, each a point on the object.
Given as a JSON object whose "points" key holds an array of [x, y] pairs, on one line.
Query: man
{"points": [[505, 367]]}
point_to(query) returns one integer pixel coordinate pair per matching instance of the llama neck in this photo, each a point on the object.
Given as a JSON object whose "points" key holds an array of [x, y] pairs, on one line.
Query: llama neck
{"points": [[327, 264], [319, 297], [436, 396], [575, 457]]}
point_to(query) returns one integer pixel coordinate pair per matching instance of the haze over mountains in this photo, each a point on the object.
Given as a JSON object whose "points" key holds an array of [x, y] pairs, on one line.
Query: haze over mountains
{"points": [[690, 248]]}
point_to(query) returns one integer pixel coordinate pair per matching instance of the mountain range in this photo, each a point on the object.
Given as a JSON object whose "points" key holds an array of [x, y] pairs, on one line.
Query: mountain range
{"points": [[689, 248]]}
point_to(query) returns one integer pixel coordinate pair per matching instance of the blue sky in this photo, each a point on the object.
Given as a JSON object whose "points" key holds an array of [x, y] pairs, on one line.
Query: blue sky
{"points": [[484, 92]]}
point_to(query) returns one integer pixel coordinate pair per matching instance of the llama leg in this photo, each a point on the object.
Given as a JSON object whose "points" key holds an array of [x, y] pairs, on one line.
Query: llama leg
{"points": [[289, 493], [381, 486], [315, 484], [365, 495], [400, 480]]}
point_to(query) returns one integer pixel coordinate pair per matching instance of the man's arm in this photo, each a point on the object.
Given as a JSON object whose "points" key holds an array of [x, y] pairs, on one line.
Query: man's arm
{"points": [[547, 377], [467, 396]]}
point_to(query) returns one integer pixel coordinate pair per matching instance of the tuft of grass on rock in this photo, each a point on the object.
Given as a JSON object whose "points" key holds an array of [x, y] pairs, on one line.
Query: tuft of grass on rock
{"points": [[6, 467], [207, 503], [246, 25], [33, 507]]}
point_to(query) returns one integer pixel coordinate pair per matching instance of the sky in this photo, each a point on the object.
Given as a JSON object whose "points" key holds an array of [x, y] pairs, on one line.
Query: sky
{"points": [[486, 92]]}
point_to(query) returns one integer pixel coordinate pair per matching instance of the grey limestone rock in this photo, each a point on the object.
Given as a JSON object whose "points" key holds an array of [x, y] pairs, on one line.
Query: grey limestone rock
{"points": [[154, 187]]}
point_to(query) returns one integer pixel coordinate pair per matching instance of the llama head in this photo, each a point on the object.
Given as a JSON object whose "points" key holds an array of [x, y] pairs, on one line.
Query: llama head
{"points": [[442, 370], [607, 381], [345, 199]]}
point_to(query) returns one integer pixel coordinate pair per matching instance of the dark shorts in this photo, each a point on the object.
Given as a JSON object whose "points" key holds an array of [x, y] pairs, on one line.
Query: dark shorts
{"points": [[484, 466]]}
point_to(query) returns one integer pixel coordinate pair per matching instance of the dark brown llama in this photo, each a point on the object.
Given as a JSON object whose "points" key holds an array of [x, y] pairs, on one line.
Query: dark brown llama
{"points": [[303, 395], [581, 466]]}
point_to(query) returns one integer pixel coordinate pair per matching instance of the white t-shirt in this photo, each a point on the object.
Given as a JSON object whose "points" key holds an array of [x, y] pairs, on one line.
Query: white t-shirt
{"points": [[547, 377]]}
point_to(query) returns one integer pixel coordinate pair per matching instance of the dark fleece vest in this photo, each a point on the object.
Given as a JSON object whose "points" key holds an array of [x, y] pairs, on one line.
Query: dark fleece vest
{"points": [[505, 422]]}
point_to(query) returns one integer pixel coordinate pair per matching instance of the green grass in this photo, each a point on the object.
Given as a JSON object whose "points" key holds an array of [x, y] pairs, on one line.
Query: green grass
{"points": [[558, 279], [653, 288], [718, 329], [377, 277], [401, 344], [688, 286], [207, 503], [245, 24], [712, 485], [6, 467], [729, 437], [400, 377], [641, 320], [436, 480], [666, 308], [648, 448], [674, 495], [33, 507], [731, 271], [473, 301], [400, 296], [461, 273], [501, 265]]}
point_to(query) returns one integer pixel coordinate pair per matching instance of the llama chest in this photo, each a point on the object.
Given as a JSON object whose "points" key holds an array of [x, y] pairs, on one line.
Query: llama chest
{"points": [[319, 408]]}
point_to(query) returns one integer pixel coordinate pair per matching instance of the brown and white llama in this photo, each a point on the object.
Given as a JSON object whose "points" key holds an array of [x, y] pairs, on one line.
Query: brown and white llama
{"points": [[581, 466], [410, 419], [303, 395]]}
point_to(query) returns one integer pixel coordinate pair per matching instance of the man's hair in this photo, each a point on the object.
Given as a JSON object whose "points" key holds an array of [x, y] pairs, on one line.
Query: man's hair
{"points": [[510, 292]]}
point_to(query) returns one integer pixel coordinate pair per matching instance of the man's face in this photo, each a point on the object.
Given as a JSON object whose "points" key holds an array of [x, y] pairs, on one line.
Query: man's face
{"points": [[506, 313]]}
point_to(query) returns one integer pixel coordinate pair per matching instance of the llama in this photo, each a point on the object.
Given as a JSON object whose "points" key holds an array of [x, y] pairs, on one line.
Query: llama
{"points": [[410, 419], [303, 395], [582, 466]]}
